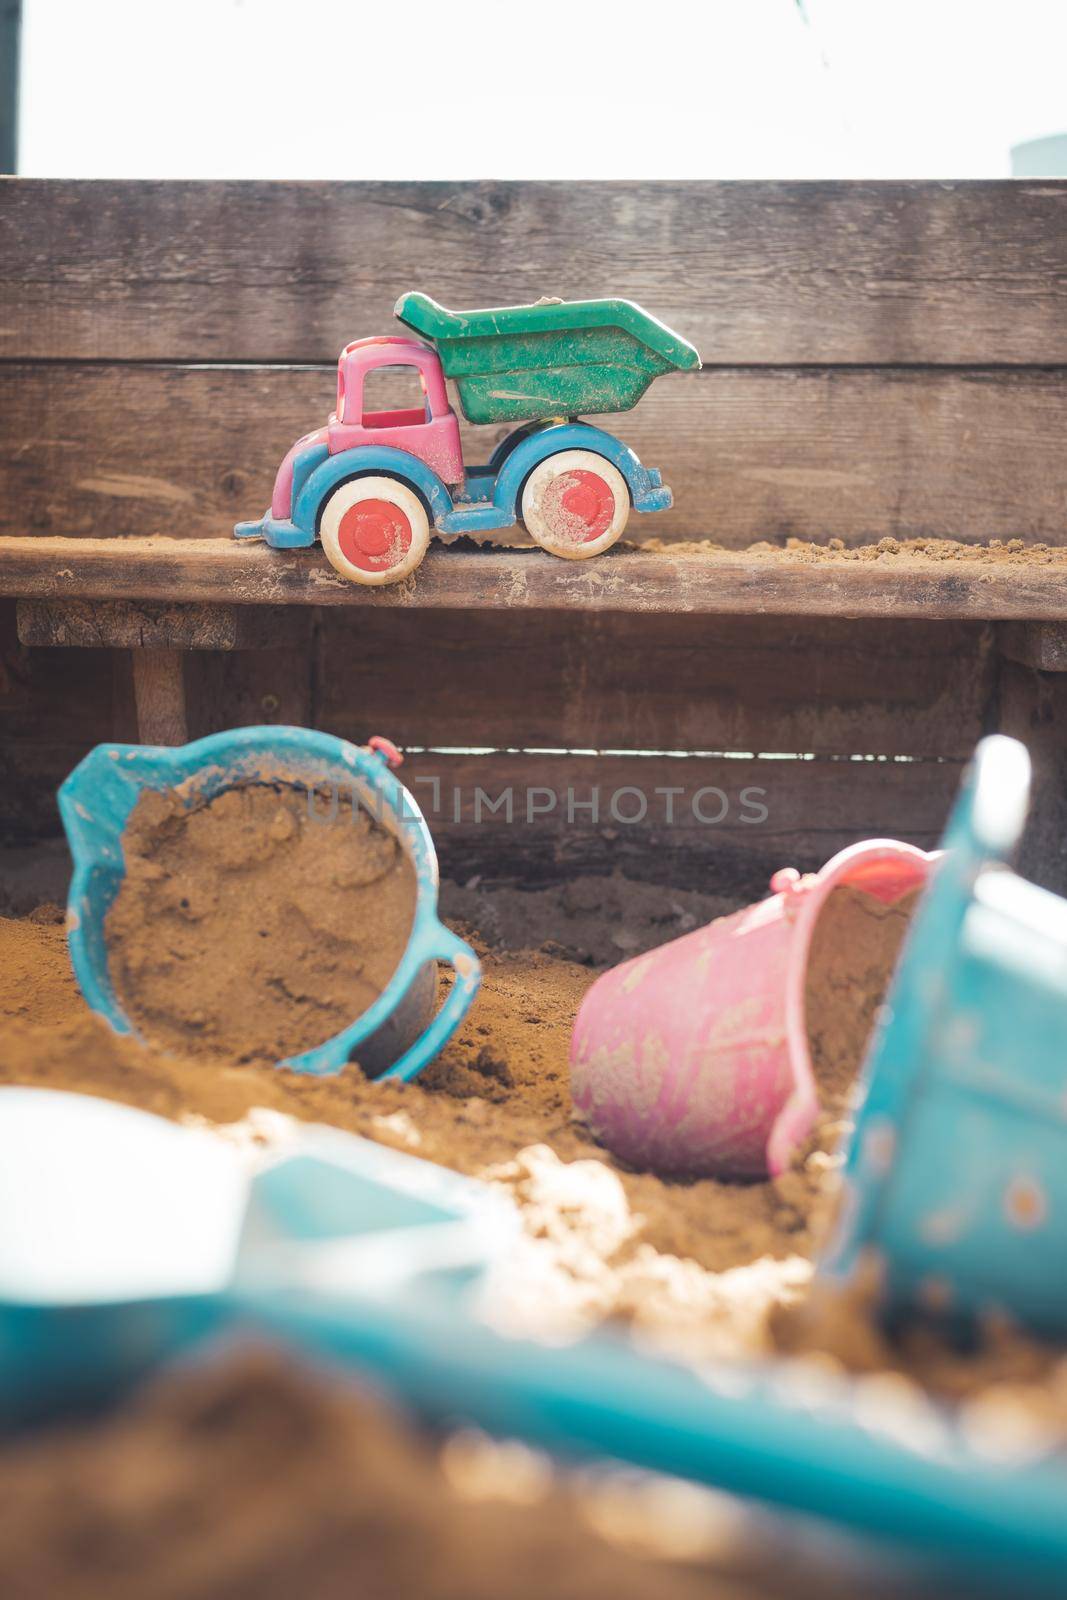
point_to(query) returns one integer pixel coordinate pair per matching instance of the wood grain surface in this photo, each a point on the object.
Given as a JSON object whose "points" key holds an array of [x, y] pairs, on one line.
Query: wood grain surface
{"points": [[881, 359], [785, 273], [728, 583], [626, 681], [124, 625], [813, 809], [751, 454]]}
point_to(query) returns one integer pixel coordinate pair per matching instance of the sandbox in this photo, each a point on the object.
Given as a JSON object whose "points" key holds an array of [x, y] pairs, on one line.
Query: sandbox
{"points": [[863, 573], [700, 1270], [706, 1268]]}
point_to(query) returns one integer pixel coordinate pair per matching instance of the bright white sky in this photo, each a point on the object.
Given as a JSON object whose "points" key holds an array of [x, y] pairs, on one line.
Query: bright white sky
{"points": [[538, 88]]}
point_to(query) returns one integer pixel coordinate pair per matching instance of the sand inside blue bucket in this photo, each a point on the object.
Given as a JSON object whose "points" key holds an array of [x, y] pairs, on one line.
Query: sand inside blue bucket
{"points": [[257, 925]]}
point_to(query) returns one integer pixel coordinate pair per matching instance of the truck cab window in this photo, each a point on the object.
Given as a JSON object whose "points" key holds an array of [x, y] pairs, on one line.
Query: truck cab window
{"points": [[394, 395]]}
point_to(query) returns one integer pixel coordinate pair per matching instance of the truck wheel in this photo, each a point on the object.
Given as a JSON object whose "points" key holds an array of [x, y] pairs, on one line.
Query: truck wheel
{"points": [[575, 504], [374, 530]]}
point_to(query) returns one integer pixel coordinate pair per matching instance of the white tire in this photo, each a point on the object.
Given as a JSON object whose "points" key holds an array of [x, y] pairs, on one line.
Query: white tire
{"points": [[374, 530], [575, 504]]}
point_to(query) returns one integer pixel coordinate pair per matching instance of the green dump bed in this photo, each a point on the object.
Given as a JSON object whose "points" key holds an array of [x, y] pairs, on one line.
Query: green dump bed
{"points": [[559, 358]]}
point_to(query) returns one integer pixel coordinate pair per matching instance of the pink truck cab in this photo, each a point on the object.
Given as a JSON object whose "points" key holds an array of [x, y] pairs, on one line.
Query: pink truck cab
{"points": [[430, 433]]}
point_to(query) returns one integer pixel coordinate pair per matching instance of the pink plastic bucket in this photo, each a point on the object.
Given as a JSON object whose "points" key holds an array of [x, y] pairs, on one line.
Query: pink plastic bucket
{"points": [[693, 1059]]}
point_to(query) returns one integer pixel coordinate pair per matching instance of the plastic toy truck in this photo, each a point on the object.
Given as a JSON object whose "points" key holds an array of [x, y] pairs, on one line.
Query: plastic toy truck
{"points": [[372, 485]]}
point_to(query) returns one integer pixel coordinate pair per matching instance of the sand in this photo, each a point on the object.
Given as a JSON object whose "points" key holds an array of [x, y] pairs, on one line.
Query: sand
{"points": [[254, 1478], [703, 1269], [700, 1265], [258, 925], [997, 552], [853, 952], [495, 1105]]}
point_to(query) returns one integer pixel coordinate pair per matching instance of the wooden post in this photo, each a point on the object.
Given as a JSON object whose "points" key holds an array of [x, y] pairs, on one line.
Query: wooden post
{"points": [[159, 688], [159, 639]]}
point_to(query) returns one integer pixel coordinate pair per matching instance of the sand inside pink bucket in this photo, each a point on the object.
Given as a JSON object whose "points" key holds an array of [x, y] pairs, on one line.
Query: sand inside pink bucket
{"points": [[853, 953]]}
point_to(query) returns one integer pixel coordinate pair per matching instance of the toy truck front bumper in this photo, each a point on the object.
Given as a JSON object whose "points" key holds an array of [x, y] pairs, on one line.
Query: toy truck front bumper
{"points": [[655, 496], [279, 532]]}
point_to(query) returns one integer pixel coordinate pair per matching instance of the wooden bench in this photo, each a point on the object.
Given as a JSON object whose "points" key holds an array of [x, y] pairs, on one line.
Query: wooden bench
{"points": [[882, 362]]}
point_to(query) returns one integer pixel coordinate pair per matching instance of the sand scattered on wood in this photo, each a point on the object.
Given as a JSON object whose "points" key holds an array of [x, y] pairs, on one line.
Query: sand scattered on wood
{"points": [[997, 552]]}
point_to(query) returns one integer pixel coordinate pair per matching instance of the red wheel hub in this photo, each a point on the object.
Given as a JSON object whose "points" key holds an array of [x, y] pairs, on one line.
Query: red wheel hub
{"points": [[579, 505], [374, 535]]}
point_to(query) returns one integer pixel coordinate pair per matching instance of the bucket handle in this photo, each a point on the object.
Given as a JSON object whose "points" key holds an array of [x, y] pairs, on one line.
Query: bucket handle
{"points": [[434, 942], [441, 944]]}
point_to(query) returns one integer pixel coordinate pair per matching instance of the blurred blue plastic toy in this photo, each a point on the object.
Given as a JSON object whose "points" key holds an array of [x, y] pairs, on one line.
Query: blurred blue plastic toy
{"points": [[957, 1173], [129, 1241], [398, 1034]]}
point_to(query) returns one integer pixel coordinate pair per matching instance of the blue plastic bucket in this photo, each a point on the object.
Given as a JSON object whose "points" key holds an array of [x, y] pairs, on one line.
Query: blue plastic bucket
{"points": [[399, 1033], [956, 1182]]}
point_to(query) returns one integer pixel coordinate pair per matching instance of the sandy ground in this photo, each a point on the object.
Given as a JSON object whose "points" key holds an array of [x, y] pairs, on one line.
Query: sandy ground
{"points": [[257, 1479], [702, 1259]]}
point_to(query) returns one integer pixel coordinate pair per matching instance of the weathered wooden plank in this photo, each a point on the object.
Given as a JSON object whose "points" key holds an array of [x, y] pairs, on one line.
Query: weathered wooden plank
{"points": [[649, 682], [57, 702], [1035, 644], [813, 809], [751, 455], [50, 695], [621, 682], [123, 625], [242, 687], [54, 705], [708, 583], [762, 272], [154, 624]]}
